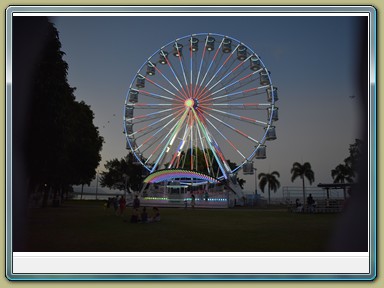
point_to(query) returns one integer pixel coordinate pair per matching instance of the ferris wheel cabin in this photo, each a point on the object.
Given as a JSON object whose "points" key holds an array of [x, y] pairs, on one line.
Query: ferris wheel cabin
{"points": [[151, 69], [274, 113], [255, 63], [128, 112], [194, 44], [133, 96], [210, 43], [129, 128], [177, 49], [140, 81], [163, 57], [271, 133], [271, 94], [248, 168], [227, 45], [261, 152], [264, 78], [241, 53]]}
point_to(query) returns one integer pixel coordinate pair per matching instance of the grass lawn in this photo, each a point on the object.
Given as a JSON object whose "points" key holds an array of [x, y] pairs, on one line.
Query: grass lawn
{"points": [[85, 226]]}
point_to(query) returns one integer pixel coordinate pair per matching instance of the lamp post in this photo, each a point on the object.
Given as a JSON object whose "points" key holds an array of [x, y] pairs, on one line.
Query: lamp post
{"points": [[97, 182], [254, 169]]}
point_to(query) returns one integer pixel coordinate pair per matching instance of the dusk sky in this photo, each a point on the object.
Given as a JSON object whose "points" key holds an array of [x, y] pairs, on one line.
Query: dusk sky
{"points": [[312, 62]]}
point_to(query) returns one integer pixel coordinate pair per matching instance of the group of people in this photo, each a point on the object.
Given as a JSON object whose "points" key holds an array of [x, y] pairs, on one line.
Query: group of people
{"points": [[143, 216], [119, 205], [311, 205]]}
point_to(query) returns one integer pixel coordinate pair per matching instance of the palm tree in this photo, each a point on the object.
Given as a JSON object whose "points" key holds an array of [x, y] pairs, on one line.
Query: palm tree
{"points": [[271, 180], [303, 171], [342, 174]]}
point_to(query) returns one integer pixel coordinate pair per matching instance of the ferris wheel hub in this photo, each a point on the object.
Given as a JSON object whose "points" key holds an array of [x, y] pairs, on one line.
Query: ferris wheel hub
{"points": [[189, 103]]}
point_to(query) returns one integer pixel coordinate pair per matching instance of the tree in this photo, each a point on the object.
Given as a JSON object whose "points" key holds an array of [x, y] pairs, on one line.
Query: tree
{"points": [[122, 174], [303, 171], [354, 156], [342, 174], [63, 146], [269, 179], [84, 145]]}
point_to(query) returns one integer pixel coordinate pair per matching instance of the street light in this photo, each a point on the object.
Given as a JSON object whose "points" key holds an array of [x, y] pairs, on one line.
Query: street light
{"points": [[248, 169], [254, 169]]}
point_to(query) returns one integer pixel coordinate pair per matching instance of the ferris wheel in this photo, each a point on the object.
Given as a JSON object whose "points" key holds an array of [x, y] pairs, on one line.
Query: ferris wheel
{"points": [[201, 102]]}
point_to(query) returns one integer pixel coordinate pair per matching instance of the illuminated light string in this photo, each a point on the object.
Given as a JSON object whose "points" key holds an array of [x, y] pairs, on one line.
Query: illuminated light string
{"points": [[170, 174], [186, 199]]}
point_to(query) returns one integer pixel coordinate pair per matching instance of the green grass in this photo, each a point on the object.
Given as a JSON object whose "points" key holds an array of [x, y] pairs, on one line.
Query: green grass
{"points": [[85, 226]]}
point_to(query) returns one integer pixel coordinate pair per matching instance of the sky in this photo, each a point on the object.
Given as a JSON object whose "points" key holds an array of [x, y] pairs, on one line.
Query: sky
{"points": [[312, 62]]}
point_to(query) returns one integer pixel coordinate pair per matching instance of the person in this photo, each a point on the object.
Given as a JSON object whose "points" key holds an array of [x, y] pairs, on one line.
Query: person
{"points": [[310, 203], [144, 215], [136, 202], [122, 205], [299, 207], [206, 196], [155, 215], [192, 201], [135, 215], [115, 204]]}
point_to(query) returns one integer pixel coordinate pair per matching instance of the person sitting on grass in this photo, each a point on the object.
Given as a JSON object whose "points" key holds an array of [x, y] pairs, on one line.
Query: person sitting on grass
{"points": [[155, 215], [299, 206], [135, 215], [144, 215]]}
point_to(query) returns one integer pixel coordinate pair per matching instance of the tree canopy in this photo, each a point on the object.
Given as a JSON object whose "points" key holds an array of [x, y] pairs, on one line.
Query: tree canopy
{"points": [[303, 171], [122, 174], [63, 145], [270, 180]]}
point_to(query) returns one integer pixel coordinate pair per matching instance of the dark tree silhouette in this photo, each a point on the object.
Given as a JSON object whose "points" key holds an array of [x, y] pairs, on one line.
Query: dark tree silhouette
{"points": [[342, 174], [122, 174], [270, 180], [353, 159], [303, 171], [56, 126]]}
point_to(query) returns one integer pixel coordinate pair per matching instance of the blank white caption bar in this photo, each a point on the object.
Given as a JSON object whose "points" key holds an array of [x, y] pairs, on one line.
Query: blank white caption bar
{"points": [[187, 263]]}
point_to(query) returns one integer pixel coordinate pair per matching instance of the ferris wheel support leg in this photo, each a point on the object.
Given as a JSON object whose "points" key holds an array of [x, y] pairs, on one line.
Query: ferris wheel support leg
{"points": [[142, 189], [236, 189]]}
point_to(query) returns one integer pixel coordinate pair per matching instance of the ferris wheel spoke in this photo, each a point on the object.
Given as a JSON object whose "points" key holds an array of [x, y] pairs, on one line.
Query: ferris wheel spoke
{"points": [[173, 85], [209, 67], [239, 106], [203, 96], [184, 75], [157, 105], [213, 146], [225, 138], [163, 139], [175, 75], [162, 127], [157, 122], [201, 65], [182, 143], [238, 97], [159, 86], [239, 117], [206, 158], [219, 69], [157, 96], [236, 82], [234, 129], [147, 117], [171, 140]]}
